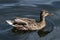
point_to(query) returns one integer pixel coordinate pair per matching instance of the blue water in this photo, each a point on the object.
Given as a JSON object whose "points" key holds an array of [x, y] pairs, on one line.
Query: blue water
{"points": [[29, 8]]}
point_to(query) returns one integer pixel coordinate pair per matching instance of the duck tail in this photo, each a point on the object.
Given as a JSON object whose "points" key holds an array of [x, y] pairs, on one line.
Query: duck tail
{"points": [[10, 22]]}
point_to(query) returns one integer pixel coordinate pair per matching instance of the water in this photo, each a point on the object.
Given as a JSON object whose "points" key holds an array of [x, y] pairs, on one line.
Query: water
{"points": [[29, 8]]}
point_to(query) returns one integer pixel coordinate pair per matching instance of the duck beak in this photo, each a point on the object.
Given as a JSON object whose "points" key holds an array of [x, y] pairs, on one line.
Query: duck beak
{"points": [[51, 14]]}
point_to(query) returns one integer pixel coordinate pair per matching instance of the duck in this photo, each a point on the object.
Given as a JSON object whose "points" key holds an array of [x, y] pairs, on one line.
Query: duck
{"points": [[29, 24]]}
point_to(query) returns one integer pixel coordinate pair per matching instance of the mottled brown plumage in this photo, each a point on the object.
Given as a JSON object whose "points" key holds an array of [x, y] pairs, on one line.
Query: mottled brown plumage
{"points": [[29, 24]]}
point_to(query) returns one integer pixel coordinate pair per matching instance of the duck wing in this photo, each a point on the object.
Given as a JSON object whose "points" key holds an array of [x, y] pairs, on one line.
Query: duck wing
{"points": [[26, 22], [19, 22]]}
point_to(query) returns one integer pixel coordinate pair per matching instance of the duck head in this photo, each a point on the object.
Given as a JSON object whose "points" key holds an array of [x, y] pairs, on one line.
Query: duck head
{"points": [[44, 13]]}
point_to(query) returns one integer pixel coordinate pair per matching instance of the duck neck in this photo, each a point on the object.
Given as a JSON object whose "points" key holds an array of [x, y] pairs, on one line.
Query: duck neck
{"points": [[42, 18], [42, 23]]}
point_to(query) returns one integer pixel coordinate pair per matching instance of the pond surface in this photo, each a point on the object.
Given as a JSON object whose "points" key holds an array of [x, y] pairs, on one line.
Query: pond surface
{"points": [[30, 9]]}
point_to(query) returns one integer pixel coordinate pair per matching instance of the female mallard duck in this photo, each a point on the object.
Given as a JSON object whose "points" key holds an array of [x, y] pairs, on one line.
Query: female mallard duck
{"points": [[29, 24]]}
